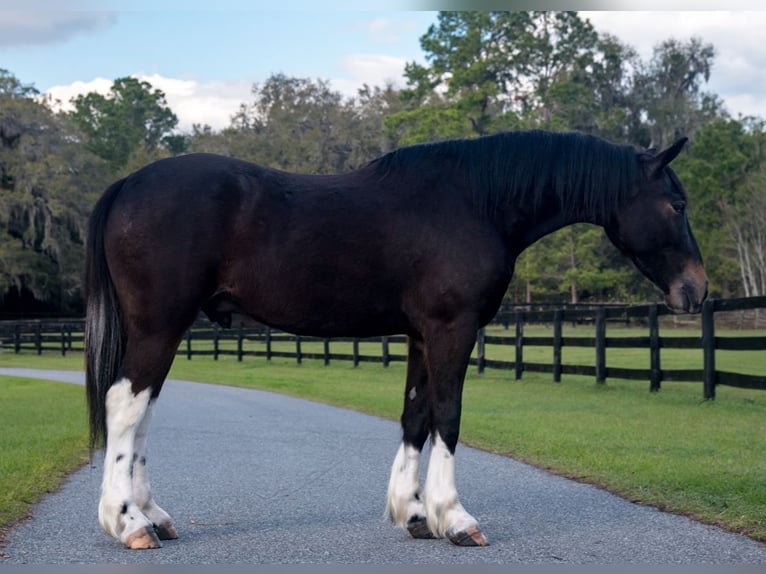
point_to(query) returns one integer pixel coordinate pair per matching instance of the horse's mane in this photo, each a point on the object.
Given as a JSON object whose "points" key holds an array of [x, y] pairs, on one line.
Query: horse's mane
{"points": [[588, 175]]}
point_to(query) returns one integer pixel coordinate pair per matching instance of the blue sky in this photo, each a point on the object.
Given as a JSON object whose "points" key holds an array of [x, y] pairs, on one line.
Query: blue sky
{"points": [[215, 45], [206, 55]]}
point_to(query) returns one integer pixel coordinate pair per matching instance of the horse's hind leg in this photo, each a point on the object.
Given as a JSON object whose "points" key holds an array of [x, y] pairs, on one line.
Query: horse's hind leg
{"points": [[161, 521], [126, 508], [404, 504], [118, 512]]}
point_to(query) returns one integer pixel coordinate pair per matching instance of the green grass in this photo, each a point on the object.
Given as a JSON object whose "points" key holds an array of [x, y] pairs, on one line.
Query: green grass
{"points": [[669, 449], [43, 436]]}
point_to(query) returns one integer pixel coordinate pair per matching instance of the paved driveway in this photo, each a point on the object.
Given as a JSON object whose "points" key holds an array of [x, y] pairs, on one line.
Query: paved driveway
{"points": [[255, 477]]}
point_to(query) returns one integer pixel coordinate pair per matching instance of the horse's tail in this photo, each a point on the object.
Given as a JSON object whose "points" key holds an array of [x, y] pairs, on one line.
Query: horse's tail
{"points": [[104, 333]]}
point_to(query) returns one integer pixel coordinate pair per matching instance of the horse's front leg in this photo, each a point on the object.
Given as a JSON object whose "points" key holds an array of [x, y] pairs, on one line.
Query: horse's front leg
{"points": [[448, 350], [119, 514], [142, 492], [405, 503]]}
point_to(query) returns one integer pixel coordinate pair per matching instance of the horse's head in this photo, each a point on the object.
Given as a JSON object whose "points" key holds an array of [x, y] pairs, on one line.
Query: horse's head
{"points": [[652, 229]]}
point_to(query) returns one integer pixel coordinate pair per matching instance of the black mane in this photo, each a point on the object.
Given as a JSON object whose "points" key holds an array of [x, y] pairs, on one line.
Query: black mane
{"points": [[589, 176]]}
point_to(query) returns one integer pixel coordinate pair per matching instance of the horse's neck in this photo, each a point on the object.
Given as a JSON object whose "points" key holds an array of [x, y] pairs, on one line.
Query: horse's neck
{"points": [[525, 227]]}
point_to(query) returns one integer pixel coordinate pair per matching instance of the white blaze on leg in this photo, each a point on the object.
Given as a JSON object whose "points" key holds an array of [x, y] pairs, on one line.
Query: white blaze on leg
{"points": [[118, 513], [403, 488], [142, 491], [445, 515]]}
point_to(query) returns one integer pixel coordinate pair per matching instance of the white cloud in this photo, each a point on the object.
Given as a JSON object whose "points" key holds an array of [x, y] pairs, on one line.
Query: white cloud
{"points": [[371, 69], [211, 103], [61, 95]]}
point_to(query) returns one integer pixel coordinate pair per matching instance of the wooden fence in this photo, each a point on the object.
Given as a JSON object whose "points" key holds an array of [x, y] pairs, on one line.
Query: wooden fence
{"points": [[205, 339]]}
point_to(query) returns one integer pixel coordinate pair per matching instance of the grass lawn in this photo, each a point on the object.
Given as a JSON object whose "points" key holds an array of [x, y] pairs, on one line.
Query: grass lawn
{"points": [[43, 436], [669, 449]]}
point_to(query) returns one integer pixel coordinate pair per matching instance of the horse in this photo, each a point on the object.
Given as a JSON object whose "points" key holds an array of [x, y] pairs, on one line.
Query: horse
{"points": [[421, 241]]}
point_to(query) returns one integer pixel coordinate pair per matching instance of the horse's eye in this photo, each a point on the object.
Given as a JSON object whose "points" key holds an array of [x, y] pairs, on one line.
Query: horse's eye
{"points": [[679, 206]]}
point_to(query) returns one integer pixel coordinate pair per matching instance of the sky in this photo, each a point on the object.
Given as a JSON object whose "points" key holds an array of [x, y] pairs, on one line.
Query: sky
{"points": [[206, 55]]}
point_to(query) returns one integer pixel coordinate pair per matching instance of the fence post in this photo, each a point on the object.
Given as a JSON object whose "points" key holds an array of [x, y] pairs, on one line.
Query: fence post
{"points": [[708, 349], [326, 352], [215, 343], [39, 339], [654, 350], [386, 356], [480, 350], [240, 338], [356, 352], [17, 338], [63, 340], [189, 344], [558, 319], [600, 346], [519, 344], [268, 343], [298, 352]]}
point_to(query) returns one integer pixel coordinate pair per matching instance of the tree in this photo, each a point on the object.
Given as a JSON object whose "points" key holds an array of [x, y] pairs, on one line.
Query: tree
{"points": [[293, 124], [500, 70], [668, 89], [131, 117], [465, 88], [303, 125], [721, 163], [745, 214], [43, 213]]}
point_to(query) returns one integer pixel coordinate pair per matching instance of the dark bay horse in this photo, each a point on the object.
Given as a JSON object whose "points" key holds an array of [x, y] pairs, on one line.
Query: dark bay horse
{"points": [[421, 241]]}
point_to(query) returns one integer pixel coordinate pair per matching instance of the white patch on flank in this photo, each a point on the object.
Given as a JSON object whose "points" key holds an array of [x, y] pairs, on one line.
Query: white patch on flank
{"points": [[403, 489], [124, 414], [413, 393], [444, 512]]}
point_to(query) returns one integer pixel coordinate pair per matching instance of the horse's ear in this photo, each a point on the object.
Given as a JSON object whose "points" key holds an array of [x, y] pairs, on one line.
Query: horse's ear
{"points": [[657, 163]]}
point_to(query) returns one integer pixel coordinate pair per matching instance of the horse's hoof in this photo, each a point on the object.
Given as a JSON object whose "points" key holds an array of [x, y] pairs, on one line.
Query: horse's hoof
{"points": [[143, 539], [166, 531], [471, 537], [418, 528]]}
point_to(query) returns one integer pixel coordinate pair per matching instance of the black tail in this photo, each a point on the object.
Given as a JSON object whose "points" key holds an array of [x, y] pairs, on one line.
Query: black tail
{"points": [[104, 334]]}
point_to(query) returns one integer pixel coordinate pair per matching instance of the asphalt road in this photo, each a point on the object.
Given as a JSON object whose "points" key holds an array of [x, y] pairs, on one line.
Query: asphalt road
{"points": [[255, 477]]}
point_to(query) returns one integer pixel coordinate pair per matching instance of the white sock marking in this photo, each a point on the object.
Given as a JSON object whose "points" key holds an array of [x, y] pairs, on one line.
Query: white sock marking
{"points": [[443, 509], [118, 513], [403, 487], [142, 490]]}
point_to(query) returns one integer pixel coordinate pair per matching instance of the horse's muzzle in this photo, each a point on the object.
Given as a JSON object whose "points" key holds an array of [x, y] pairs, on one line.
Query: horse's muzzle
{"points": [[688, 291]]}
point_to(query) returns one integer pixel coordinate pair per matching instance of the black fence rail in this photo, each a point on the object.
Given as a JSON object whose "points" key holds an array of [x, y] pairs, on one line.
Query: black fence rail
{"points": [[269, 343], [65, 336], [707, 342], [42, 335]]}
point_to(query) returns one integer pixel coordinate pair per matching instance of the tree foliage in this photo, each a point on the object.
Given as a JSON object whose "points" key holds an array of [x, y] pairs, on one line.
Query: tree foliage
{"points": [[303, 125], [131, 118], [50, 185]]}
